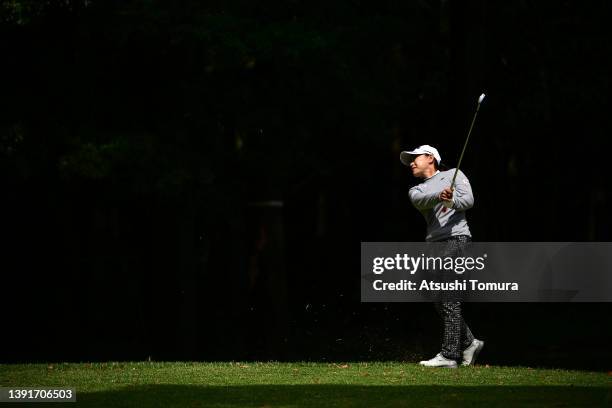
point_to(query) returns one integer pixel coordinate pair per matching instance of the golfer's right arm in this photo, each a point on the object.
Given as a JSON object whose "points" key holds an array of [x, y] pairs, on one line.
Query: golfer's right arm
{"points": [[421, 200]]}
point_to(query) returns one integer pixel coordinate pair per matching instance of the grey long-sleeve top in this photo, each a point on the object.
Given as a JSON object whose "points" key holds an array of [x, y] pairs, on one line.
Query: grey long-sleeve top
{"points": [[443, 222]]}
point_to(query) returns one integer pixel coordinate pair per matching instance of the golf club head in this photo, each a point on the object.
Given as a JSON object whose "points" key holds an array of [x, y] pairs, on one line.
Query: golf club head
{"points": [[481, 98]]}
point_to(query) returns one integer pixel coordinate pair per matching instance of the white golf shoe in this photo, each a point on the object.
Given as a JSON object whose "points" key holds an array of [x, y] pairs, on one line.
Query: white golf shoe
{"points": [[471, 353], [439, 361]]}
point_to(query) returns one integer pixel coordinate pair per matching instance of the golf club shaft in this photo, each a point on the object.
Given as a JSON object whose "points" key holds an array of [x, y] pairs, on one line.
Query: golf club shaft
{"points": [[464, 146]]}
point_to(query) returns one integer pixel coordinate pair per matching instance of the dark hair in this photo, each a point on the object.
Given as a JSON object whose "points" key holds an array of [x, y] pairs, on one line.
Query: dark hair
{"points": [[440, 166]]}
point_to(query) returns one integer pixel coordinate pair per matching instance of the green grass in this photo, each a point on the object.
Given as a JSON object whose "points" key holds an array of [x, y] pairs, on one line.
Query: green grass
{"points": [[235, 384]]}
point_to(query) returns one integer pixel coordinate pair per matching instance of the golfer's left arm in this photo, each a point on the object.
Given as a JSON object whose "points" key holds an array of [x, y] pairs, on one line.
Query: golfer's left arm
{"points": [[463, 198]]}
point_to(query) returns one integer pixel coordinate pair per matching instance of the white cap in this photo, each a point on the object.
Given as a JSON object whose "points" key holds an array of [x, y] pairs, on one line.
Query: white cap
{"points": [[424, 149]]}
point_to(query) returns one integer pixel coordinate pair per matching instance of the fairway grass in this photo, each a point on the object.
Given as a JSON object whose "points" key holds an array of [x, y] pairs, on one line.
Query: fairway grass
{"points": [[271, 384]]}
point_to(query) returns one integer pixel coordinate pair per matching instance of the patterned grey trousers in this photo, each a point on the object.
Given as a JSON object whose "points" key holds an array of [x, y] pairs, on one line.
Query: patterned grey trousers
{"points": [[457, 336]]}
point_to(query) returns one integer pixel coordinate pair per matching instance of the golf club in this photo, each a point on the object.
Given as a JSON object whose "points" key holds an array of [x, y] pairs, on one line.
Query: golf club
{"points": [[480, 99]]}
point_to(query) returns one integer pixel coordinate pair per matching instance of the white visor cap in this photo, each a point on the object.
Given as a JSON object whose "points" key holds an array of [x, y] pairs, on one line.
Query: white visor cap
{"points": [[406, 158]]}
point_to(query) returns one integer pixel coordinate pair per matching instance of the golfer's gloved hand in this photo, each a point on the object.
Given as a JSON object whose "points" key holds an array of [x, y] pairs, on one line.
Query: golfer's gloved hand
{"points": [[446, 196]]}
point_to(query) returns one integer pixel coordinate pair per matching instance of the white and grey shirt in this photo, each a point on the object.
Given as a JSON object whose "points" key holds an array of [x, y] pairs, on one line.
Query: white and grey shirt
{"points": [[443, 222]]}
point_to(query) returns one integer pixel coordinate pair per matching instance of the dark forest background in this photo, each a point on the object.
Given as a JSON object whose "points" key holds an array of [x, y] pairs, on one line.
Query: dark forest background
{"points": [[192, 179]]}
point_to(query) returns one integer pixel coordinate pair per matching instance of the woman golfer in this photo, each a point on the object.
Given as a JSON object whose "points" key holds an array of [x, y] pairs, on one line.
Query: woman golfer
{"points": [[444, 210]]}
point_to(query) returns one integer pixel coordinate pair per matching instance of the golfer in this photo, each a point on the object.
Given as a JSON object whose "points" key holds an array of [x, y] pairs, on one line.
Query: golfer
{"points": [[444, 210]]}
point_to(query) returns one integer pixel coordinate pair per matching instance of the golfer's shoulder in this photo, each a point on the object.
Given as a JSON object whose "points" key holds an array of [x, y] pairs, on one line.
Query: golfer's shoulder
{"points": [[418, 188], [451, 172], [461, 180]]}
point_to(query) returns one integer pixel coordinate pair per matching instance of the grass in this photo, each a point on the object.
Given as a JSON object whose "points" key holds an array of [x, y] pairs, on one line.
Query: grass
{"points": [[381, 384]]}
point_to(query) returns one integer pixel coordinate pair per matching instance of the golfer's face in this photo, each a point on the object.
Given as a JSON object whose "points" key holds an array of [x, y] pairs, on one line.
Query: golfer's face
{"points": [[419, 164]]}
